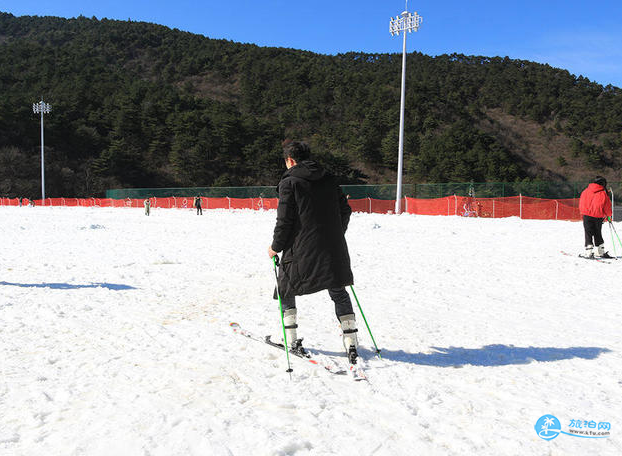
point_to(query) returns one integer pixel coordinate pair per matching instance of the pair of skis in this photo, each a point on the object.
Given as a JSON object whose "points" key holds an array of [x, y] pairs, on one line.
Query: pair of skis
{"points": [[599, 259], [319, 360]]}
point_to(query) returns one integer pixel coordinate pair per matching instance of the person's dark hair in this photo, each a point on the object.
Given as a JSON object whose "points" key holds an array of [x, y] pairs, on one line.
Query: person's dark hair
{"points": [[297, 150], [600, 180]]}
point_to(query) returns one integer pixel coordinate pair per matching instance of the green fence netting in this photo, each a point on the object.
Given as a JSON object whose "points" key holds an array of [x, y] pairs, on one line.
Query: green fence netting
{"points": [[548, 189], [209, 192]]}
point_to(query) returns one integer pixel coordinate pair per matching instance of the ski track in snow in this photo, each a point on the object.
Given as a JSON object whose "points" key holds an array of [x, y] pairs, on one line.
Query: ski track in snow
{"points": [[115, 338]]}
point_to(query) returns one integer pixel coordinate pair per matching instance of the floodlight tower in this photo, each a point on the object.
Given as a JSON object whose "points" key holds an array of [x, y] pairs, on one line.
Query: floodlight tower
{"points": [[43, 108], [406, 23]]}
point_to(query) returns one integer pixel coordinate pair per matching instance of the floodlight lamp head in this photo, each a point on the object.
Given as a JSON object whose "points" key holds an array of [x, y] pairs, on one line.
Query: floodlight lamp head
{"points": [[393, 27], [41, 107]]}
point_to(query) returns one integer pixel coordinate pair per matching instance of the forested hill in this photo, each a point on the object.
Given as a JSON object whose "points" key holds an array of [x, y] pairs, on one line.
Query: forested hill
{"points": [[141, 105]]}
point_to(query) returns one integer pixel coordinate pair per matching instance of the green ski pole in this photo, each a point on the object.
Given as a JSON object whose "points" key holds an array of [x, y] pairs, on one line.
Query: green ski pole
{"points": [[612, 240], [615, 231], [365, 320], [275, 261]]}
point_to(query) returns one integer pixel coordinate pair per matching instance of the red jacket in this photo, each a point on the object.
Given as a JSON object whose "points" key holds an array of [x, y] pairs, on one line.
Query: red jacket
{"points": [[595, 202]]}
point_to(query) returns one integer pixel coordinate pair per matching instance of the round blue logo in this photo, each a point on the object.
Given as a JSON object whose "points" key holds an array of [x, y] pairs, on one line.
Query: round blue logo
{"points": [[548, 427]]}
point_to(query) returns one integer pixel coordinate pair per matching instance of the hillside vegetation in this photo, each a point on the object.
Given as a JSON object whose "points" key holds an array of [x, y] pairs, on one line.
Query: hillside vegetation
{"points": [[140, 105]]}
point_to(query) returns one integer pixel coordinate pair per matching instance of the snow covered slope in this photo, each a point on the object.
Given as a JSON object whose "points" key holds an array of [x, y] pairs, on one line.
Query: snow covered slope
{"points": [[115, 338]]}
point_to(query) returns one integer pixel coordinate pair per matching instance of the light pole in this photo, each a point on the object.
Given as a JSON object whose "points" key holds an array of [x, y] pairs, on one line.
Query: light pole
{"points": [[43, 108], [406, 23]]}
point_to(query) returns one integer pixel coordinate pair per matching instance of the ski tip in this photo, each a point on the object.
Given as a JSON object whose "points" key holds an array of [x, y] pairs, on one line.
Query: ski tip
{"points": [[357, 373]]}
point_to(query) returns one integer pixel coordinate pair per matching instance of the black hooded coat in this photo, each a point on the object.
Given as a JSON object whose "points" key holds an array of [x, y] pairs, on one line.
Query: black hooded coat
{"points": [[312, 218]]}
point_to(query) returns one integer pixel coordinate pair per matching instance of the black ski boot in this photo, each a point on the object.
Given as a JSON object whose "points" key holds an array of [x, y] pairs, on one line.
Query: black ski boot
{"points": [[352, 354], [297, 348], [350, 340]]}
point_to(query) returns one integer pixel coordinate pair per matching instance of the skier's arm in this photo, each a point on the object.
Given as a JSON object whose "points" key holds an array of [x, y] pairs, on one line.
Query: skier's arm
{"points": [[344, 209], [285, 217]]}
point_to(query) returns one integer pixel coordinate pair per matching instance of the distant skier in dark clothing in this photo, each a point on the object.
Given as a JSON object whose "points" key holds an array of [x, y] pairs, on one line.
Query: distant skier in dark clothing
{"points": [[197, 204], [595, 207], [312, 218]]}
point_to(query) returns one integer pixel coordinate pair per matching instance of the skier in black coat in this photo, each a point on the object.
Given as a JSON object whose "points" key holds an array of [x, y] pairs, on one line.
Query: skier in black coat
{"points": [[312, 218], [197, 204]]}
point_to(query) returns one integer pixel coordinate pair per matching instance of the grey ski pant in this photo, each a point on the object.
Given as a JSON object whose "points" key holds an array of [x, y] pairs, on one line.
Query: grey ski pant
{"points": [[341, 298]]}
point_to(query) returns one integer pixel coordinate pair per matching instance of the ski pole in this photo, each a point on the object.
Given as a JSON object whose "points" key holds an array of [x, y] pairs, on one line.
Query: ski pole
{"points": [[612, 240], [615, 231], [365, 320], [275, 261], [612, 228]]}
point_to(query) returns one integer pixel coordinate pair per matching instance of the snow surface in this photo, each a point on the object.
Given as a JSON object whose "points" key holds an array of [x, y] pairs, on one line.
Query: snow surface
{"points": [[115, 338]]}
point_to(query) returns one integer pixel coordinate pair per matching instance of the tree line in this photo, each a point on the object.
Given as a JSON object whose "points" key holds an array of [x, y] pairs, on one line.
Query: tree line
{"points": [[136, 104]]}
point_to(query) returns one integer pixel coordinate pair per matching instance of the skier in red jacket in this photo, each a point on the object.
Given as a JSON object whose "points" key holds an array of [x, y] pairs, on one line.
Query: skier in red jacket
{"points": [[595, 207]]}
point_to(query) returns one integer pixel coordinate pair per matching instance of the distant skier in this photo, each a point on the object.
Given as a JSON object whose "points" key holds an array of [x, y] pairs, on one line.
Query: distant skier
{"points": [[147, 205], [197, 204], [469, 211], [312, 217], [595, 207]]}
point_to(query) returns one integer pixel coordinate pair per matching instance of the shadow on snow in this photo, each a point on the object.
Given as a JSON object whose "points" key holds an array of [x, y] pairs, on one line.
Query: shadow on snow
{"points": [[69, 286], [490, 355]]}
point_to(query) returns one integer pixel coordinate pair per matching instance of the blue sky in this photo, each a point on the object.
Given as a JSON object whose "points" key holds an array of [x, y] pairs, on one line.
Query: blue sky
{"points": [[582, 37]]}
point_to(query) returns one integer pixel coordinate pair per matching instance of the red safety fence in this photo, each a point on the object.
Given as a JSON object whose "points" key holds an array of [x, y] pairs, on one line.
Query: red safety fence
{"points": [[512, 206]]}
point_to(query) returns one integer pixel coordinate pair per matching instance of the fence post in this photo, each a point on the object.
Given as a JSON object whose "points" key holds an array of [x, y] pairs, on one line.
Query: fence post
{"points": [[556, 209], [493, 208], [369, 198], [520, 203], [229, 201], [406, 204], [448, 207], [175, 202], [456, 204]]}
